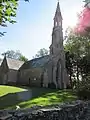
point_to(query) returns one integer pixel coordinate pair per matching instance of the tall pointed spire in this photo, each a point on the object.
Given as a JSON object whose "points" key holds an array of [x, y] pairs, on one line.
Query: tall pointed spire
{"points": [[58, 11], [57, 72], [58, 16]]}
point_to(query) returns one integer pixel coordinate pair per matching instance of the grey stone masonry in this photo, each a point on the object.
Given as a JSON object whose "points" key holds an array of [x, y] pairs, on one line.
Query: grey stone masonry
{"points": [[77, 110], [58, 73]]}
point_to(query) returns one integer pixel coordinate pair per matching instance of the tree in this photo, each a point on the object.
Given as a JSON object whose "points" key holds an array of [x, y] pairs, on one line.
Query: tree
{"points": [[15, 55], [42, 52], [69, 66], [23, 58], [86, 1], [84, 19], [8, 12], [79, 46]]}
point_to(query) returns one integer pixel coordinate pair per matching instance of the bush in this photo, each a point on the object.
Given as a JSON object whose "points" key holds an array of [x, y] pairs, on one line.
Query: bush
{"points": [[84, 94], [84, 89]]}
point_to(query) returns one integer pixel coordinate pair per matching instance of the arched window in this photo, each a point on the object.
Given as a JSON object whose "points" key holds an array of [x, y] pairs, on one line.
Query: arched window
{"points": [[35, 79], [59, 23], [56, 24], [58, 71]]}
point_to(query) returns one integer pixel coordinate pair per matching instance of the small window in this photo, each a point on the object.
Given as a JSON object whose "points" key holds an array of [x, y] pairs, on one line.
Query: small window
{"points": [[35, 79], [56, 23], [59, 23]]}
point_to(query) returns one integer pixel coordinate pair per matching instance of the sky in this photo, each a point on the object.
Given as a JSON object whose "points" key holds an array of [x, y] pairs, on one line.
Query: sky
{"points": [[34, 25]]}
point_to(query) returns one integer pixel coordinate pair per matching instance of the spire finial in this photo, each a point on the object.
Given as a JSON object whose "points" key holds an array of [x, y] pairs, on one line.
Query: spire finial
{"points": [[5, 54]]}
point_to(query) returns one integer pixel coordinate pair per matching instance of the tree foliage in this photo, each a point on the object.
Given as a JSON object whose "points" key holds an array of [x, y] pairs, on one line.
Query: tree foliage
{"points": [[78, 57], [23, 58], [86, 1], [42, 52], [15, 55], [8, 10]]}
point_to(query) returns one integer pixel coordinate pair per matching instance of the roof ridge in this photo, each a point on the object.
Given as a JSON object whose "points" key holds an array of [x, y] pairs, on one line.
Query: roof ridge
{"points": [[38, 58], [14, 59], [37, 62]]}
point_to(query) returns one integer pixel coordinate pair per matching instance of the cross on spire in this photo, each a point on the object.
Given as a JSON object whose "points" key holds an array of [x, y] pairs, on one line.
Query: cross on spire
{"points": [[5, 54]]}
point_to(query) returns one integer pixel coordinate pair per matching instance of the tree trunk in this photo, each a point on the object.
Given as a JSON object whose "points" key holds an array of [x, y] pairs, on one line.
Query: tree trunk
{"points": [[71, 79], [77, 75]]}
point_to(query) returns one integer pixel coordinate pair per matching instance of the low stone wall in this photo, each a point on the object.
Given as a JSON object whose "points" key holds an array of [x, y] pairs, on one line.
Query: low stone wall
{"points": [[67, 111]]}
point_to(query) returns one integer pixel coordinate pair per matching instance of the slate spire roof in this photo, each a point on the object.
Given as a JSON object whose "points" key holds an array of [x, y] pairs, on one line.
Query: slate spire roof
{"points": [[58, 11]]}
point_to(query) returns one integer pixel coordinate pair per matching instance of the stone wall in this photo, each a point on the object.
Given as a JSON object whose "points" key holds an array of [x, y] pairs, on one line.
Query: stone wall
{"points": [[31, 77], [74, 111]]}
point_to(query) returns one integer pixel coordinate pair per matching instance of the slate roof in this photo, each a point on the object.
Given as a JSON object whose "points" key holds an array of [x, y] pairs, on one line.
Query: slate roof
{"points": [[14, 64], [58, 11], [36, 63]]}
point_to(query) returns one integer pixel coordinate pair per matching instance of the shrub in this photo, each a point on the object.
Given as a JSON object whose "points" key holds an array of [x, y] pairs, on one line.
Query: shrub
{"points": [[84, 89]]}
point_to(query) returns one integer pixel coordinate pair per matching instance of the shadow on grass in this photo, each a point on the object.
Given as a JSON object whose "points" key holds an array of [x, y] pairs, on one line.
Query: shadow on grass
{"points": [[10, 100], [55, 97], [35, 96]]}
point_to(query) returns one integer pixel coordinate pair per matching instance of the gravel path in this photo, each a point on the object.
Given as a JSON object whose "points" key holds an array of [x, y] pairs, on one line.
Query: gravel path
{"points": [[25, 95]]}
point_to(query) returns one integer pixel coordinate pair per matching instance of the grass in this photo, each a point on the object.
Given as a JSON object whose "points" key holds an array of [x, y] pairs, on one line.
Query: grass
{"points": [[40, 96], [50, 98], [9, 89]]}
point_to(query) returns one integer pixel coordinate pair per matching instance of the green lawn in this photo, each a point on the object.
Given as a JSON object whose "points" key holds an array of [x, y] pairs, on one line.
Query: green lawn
{"points": [[40, 96], [9, 89]]}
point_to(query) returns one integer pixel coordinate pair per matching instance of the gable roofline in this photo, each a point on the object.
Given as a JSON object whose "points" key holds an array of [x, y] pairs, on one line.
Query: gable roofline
{"points": [[39, 58], [13, 64]]}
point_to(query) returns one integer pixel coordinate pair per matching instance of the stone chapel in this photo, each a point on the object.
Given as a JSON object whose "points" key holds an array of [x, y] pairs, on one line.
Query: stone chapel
{"points": [[47, 71]]}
